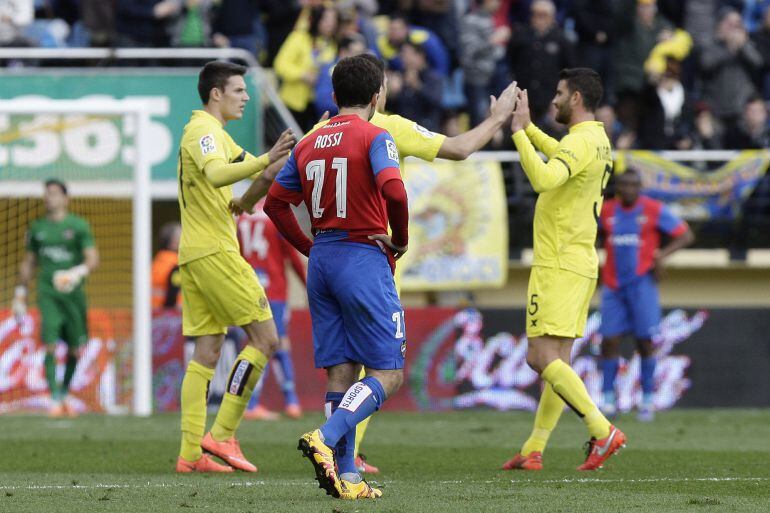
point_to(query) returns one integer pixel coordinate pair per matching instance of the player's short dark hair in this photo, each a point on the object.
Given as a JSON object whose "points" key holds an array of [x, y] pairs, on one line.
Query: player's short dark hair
{"points": [[216, 74], [374, 60], [57, 183], [355, 81], [587, 82]]}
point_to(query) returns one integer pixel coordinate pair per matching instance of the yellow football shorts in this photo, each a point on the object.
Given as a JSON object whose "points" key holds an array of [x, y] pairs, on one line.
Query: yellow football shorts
{"points": [[219, 291], [557, 302]]}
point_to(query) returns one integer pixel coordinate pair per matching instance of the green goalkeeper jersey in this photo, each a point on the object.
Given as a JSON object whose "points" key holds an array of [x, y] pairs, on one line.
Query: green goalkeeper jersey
{"points": [[58, 245]]}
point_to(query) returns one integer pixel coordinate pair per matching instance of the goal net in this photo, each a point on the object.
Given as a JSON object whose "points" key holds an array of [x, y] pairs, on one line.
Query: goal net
{"points": [[95, 147]]}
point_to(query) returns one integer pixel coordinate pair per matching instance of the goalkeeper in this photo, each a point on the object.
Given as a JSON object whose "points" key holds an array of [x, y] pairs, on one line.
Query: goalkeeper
{"points": [[62, 246]]}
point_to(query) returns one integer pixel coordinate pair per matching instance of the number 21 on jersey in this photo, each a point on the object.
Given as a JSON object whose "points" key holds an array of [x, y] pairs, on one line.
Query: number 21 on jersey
{"points": [[316, 171]]}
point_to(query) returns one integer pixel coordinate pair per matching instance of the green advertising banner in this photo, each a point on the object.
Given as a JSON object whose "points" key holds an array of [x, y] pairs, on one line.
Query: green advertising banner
{"points": [[34, 147]]}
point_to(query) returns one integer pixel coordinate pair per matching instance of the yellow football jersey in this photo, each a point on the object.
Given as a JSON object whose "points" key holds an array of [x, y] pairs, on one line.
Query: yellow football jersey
{"points": [[207, 224], [570, 185]]}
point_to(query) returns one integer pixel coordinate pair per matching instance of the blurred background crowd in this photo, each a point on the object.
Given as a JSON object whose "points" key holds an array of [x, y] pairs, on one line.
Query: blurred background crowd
{"points": [[679, 74]]}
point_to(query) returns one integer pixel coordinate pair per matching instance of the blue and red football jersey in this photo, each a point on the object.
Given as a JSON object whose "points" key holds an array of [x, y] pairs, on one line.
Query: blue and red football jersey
{"points": [[631, 237], [339, 170]]}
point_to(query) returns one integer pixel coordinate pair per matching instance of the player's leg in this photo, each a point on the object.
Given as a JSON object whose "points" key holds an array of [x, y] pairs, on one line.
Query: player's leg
{"points": [[285, 372], [197, 322], [52, 323], [616, 322], [556, 315], [647, 316], [360, 461], [75, 334]]}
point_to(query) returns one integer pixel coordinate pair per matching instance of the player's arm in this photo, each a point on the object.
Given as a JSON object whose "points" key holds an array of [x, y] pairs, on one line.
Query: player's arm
{"points": [[461, 146], [26, 268], [676, 228], [220, 173], [384, 160], [67, 280], [258, 188], [542, 141], [294, 260], [287, 191]]}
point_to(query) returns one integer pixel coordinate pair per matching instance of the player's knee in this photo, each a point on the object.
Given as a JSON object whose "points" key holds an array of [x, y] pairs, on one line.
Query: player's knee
{"points": [[50, 349], [645, 348], [534, 361], [610, 348]]}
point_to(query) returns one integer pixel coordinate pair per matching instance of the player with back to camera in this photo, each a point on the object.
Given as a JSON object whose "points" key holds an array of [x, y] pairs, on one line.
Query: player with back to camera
{"points": [[631, 225], [219, 288], [347, 173], [565, 265], [61, 245]]}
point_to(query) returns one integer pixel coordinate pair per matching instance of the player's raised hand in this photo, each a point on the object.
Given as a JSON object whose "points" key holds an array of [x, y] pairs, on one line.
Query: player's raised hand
{"points": [[500, 108], [282, 146], [521, 116], [383, 240]]}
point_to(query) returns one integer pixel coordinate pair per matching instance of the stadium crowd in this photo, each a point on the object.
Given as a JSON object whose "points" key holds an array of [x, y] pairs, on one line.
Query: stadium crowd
{"points": [[680, 74]]}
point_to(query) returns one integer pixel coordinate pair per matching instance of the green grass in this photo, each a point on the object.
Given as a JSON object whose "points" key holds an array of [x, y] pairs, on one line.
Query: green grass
{"points": [[687, 461]]}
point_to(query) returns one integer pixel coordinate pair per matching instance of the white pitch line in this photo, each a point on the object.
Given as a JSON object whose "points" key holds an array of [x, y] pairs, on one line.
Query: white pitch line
{"points": [[247, 484], [590, 480]]}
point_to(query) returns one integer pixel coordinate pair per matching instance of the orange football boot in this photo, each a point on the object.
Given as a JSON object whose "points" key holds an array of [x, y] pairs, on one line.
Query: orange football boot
{"points": [[229, 451], [259, 412], [598, 451], [533, 461], [204, 464], [293, 411], [363, 466]]}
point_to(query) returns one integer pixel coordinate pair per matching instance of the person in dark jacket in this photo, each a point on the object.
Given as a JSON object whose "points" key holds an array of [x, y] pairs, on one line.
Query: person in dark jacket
{"points": [[145, 23], [751, 131]]}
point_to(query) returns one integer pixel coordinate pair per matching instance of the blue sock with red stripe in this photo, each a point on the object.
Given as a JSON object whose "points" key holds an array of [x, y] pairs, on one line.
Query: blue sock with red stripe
{"points": [[287, 370], [360, 401], [648, 377]]}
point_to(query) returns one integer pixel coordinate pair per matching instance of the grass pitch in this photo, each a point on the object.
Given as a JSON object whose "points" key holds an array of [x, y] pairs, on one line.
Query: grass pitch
{"points": [[686, 461]]}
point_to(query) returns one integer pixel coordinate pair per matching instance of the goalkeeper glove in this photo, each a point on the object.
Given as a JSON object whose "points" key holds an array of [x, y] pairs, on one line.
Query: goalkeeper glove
{"points": [[67, 280], [19, 304]]}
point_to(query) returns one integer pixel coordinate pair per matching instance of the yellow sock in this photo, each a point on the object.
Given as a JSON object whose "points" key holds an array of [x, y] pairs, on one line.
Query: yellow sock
{"points": [[195, 386], [547, 416], [361, 427], [247, 370], [572, 390]]}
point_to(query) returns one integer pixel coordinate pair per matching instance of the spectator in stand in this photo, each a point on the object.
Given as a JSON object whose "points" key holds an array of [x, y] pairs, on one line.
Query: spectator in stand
{"points": [[618, 136], [728, 66], [237, 24], [482, 46], [15, 17], [415, 93], [594, 27], [356, 17], [145, 23], [400, 32], [761, 40], [99, 20], [636, 37], [754, 14], [537, 53], [298, 62], [707, 134], [441, 18], [751, 131], [281, 17], [166, 280], [349, 46], [667, 116], [193, 25]]}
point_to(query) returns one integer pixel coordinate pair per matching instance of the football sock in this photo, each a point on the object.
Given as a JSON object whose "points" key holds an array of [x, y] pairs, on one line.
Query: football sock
{"points": [[361, 400], [363, 425], [195, 388], [648, 375], [247, 370], [286, 376], [69, 372], [572, 390], [50, 375], [254, 401], [343, 451], [547, 416], [609, 374]]}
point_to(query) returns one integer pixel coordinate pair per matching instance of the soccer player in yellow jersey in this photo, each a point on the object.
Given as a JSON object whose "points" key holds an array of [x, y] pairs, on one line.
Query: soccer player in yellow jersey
{"points": [[220, 288], [565, 265], [413, 140]]}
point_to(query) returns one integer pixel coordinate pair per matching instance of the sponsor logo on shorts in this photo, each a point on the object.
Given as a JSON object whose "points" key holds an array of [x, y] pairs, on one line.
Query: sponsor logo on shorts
{"points": [[207, 144], [239, 377], [403, 348], [355, 397], [263, 303]]}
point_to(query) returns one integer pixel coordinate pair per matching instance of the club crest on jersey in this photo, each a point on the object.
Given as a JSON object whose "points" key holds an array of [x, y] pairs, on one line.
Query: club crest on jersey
{"points": [[392, 150], [207, 144], [423, 131]]}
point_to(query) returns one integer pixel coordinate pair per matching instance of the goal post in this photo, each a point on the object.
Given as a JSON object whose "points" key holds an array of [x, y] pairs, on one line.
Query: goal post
{"points": [[99, 148]]}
